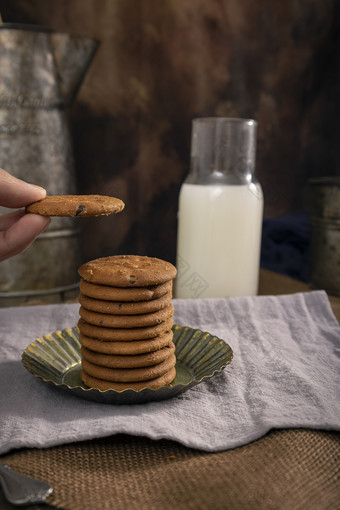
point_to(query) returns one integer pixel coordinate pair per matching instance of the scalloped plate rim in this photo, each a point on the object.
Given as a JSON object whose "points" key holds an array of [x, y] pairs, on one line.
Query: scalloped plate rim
{"points": [[171, 386]]}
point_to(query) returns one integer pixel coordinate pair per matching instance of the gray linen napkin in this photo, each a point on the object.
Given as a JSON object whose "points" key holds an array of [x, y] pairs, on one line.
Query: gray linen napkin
{"points": [[285, 373]]}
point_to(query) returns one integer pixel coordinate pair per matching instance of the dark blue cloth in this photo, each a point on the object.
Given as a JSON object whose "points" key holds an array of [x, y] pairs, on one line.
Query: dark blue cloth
{"points": [[285, 246]]}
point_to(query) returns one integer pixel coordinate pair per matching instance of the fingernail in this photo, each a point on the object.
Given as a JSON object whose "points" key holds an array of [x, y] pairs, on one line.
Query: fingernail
{"points": [[39, 188]]}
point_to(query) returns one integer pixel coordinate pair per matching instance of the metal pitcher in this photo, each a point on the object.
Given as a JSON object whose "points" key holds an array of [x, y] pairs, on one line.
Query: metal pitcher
{"points": [[40, 73]]}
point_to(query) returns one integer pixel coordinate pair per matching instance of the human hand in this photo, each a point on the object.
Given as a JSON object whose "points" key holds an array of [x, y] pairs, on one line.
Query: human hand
{"points": [[18, 229]]}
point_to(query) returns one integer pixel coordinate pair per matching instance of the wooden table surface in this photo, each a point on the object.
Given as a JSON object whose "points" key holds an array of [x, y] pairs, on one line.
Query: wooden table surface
{"points": [[274, 283]]}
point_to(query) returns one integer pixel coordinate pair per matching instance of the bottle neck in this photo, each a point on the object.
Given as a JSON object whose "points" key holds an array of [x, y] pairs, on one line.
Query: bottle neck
{"points": [[223, 151]]}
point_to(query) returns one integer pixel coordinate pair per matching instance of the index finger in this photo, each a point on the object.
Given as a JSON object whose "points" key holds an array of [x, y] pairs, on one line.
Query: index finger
{"points": [[17, 193]]}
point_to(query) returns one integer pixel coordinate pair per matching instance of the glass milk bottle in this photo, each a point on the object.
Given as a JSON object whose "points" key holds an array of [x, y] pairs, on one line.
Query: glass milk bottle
{"points": [[220, 212]]}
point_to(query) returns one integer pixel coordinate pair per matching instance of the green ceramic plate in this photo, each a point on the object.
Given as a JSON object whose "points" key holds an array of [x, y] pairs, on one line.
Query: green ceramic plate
{"points": [[56, 358]]}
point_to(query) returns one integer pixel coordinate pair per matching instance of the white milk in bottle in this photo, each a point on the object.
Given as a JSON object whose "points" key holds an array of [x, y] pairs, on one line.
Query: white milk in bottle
{"points": [[220, 213]]}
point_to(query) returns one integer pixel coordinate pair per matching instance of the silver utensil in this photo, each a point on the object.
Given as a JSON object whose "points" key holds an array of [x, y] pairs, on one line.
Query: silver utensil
{"points": [[20, 489]]}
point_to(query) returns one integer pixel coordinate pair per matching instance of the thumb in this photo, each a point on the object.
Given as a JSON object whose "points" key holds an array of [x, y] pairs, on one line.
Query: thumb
{"points": [[17, 193]]}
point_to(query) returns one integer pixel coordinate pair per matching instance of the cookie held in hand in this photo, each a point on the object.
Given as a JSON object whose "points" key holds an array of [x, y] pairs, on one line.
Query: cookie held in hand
{"points": [[76, 206]]}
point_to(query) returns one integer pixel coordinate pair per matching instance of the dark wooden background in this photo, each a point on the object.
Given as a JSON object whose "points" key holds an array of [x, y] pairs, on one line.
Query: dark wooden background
{"points": [[163, 62]]}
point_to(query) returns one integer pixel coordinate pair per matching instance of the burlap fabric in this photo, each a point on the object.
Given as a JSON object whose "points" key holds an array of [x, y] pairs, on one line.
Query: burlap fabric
{"points": [[290, 469]]}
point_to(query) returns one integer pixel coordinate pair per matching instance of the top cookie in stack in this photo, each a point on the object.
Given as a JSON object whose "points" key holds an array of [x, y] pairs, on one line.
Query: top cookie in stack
{"points": [[126, 320]]}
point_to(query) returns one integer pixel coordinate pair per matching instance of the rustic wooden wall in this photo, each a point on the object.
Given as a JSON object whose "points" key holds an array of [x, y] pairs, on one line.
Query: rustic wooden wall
{"points": [[162, 63]]}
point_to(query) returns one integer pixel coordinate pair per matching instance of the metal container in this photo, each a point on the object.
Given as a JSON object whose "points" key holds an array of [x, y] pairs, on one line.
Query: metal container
{"points": [[325, 234], [40, 72]]}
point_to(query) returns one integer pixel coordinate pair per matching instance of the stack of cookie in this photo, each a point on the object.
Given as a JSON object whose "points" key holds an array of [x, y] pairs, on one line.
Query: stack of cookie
{"points": [[126, 320]]}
